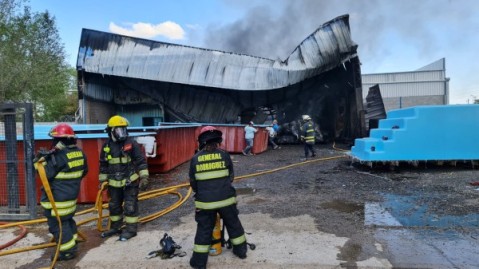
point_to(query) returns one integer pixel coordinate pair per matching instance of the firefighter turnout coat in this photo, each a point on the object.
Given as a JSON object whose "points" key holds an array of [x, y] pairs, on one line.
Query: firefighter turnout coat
{"points": [[211, 175], [122, 164], [64, 169]]}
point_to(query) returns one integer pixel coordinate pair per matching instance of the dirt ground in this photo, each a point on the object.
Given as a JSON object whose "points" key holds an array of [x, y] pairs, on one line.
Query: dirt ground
{"points": [[322, 213]]}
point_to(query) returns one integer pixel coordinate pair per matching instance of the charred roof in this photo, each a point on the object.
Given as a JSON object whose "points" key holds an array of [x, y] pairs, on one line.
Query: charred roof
{"points": [[321, 77]]}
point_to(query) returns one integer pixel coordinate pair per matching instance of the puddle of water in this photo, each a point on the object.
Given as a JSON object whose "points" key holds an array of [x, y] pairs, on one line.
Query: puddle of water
{"points": [[410, 212], [445, 246], [408, 248], [343, 206], [376, 214]]}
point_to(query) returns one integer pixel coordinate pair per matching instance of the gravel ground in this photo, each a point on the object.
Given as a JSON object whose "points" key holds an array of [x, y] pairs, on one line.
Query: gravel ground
{"points": [[322, 213]]}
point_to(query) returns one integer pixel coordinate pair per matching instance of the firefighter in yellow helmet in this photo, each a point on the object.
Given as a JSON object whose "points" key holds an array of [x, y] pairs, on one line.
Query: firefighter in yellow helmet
{"points": [[65, 166], [123, 165], [211, 174]]}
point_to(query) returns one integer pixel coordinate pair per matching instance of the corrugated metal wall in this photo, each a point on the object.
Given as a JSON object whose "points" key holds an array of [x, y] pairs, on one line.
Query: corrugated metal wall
{"points": [[416, 76], [320, 77], [408, 89], [123, 56], [426, 86], [410, 101]]}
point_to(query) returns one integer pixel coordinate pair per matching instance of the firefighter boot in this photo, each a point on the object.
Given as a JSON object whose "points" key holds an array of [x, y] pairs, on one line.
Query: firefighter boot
{"points": [[125, 235], [114, 229], [110, 232], [66, 255], [199, 260], [240, 250], [129, 232]]}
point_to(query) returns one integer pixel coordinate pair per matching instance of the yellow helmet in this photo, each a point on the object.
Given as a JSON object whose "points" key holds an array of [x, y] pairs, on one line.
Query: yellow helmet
{"points": [[117, 121]]}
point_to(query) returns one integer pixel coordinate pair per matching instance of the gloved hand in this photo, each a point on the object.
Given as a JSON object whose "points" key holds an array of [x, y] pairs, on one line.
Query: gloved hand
{"points": [[143, 183], [42, 153]]}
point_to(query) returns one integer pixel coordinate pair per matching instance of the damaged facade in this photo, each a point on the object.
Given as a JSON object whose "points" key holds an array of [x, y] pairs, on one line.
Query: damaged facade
{"points": [[149, 82]]}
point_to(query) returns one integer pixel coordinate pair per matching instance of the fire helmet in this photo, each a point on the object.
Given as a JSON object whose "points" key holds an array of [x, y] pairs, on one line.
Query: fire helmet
{"points": [[62, 130], [117, 128], [117, 121], [209, 134], [306, 117]]}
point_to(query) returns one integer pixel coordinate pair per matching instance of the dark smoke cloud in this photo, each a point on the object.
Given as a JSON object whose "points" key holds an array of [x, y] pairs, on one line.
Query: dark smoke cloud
{"points": [[272, 29]]}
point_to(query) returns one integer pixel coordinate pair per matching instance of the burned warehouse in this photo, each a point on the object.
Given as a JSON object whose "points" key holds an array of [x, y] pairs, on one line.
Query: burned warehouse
{"points": [[150, 82]]}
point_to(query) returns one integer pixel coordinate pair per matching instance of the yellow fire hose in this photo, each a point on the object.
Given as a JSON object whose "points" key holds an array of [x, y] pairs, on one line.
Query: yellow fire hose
{"points": [[99, 206], [48, 191]]}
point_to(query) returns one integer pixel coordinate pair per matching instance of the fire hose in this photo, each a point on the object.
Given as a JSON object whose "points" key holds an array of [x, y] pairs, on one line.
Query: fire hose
{"points": [[100, 206]]}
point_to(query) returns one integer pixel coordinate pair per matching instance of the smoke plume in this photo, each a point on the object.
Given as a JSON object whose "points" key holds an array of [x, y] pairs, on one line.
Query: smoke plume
{"points": [[272, 29]]}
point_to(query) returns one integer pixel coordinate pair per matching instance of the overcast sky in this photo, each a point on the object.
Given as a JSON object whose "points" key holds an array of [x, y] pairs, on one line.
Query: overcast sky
{"points": [[392, 36]]}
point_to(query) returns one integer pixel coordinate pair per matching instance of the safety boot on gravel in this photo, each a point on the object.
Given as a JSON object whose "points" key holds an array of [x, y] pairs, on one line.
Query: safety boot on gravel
{"points": [[64, 256], [110, 232], [126, 235]]}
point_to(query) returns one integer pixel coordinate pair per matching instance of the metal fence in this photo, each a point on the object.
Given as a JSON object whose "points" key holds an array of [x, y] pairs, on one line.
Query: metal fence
{"points": [[17, 182]]}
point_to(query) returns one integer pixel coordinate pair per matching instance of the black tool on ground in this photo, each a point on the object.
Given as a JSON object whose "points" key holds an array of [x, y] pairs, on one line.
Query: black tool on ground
{"points": [[168, 248]]}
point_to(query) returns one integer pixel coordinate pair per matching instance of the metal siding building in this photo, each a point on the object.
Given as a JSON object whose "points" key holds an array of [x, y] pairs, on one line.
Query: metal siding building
{"points": [[426, 86], [132, 76]]}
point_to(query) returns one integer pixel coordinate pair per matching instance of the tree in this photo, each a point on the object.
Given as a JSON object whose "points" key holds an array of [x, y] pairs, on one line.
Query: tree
{"points": [[32, 60]]}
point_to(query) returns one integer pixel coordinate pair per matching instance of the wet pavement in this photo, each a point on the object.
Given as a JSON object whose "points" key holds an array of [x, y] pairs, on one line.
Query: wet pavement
{"points": [[324, 214]]}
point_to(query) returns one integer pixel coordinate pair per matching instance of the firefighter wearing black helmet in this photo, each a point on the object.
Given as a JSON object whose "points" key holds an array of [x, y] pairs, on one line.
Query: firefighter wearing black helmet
{"points": [[65, 166], [211, 174], [123, 165]]}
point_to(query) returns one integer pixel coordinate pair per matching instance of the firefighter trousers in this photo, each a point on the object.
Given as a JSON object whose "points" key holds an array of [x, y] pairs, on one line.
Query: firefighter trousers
{"points": [[69, 230], [124, 201], [309, 147], [206, 220]]}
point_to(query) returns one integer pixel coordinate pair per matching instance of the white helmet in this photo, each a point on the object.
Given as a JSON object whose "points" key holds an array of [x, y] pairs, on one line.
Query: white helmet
{"points": [[306, 117]]}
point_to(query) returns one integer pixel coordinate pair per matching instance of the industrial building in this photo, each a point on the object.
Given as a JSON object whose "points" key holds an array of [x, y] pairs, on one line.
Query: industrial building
{"points": [[427, 85], [150, 82]]}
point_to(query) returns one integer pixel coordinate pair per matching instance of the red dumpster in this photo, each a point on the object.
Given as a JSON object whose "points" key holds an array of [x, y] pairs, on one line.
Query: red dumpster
{"points": [[233, 138]]}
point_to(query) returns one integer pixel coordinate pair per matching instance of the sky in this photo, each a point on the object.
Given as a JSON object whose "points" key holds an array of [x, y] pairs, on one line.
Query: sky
{"points": [[392, 35]]}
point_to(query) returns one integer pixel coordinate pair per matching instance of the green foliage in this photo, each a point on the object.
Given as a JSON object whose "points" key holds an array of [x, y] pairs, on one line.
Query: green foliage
{"points": [[32, 60]]}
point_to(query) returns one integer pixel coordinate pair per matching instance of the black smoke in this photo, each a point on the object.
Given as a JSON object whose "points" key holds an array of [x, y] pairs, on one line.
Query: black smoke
{"points": [[272, 29]]}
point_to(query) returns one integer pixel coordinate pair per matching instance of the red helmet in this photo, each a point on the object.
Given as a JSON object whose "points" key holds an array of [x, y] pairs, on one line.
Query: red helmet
{"points": [[209, 133], [62, 130], [208, 129]]}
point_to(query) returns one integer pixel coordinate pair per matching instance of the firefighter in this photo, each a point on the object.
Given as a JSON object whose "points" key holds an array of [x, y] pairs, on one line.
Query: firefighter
{"points": [[123, 165], [65, 166], [308, 136], [211, 175]]}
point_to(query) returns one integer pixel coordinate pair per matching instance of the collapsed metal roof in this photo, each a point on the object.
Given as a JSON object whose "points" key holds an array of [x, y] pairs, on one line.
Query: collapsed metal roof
{"points": [[197, 84], [110, 54]]}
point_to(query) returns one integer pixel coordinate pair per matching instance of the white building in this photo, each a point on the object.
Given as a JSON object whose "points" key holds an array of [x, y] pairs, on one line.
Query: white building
{"points": [[427, 85]]}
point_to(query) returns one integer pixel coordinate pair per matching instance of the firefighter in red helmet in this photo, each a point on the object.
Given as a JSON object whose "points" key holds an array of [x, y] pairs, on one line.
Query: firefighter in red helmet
{"points": [[211, 174], [65, 166], [123, 165]]}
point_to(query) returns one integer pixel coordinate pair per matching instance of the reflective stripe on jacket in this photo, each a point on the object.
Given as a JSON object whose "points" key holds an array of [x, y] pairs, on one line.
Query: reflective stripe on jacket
{"points": [[308, 133], [122, 162], [211, 174], [64, 169]]}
